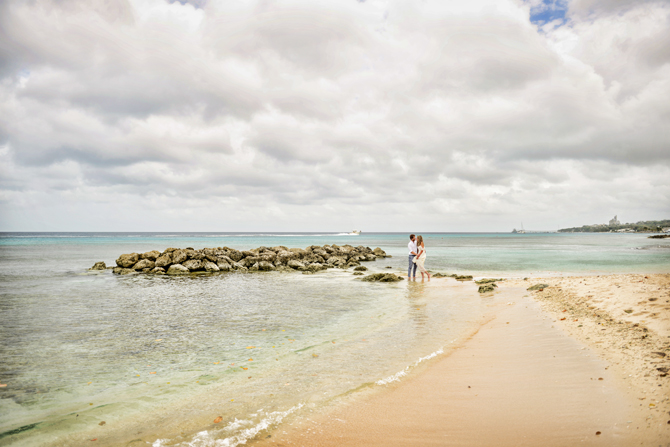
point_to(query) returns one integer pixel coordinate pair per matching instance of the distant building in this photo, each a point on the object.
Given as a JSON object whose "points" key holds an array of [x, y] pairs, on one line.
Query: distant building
{"points": [[614, 222]]}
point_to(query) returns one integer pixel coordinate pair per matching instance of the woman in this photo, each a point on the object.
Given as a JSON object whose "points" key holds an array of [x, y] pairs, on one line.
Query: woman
{"points": [[421, 257]]}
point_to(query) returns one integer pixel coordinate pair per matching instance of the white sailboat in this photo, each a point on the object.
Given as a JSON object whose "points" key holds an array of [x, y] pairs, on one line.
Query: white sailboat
{"points": [[521, 231]]}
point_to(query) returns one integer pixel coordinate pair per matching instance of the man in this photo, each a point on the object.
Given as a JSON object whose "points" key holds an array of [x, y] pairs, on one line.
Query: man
{"points": [[411, 271]]}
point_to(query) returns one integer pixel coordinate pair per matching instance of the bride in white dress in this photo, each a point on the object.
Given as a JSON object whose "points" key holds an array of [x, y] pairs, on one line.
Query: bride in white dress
{"points": [[421, 257]]}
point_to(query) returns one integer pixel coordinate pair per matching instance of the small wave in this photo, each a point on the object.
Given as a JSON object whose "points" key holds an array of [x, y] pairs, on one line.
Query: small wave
{"points": [[210, 438], [397, 376]]}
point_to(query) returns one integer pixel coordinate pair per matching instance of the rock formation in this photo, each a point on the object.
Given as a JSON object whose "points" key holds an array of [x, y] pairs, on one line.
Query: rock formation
{"points": [[177, 261]]}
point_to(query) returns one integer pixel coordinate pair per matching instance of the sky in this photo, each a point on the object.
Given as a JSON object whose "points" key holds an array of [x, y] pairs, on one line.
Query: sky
{"points": [[312, 115]]}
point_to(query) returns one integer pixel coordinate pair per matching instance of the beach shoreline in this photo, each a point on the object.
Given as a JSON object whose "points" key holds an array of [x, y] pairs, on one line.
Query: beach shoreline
{"points": [[541, 371]]}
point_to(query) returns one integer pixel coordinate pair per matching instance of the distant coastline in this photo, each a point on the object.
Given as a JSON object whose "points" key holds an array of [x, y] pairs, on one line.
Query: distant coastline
{"points": [[648, 226]]}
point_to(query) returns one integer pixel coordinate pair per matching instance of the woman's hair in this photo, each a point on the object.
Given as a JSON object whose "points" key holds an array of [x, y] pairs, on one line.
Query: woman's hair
{"points": [[419, 240]]}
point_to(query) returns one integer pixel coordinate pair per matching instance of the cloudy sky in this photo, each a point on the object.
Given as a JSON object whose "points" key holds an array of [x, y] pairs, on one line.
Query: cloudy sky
{"points": [[313, 115]]}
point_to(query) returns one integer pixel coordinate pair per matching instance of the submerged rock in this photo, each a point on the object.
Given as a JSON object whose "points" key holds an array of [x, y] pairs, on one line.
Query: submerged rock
{"points": [[538, 287], [463, 277], [360, 268], [382, 277], [489, 287], [488, 280]]}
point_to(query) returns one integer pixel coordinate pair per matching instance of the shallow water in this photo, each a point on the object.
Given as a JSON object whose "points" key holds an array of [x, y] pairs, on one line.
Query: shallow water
{"points": [[141, 352]]}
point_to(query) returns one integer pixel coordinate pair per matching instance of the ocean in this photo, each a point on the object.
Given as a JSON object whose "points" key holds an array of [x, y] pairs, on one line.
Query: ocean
{"points": [[154, 360]]}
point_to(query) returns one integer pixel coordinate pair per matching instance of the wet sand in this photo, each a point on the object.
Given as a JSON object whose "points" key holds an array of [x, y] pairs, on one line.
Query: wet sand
{"points": [[521, 380]]}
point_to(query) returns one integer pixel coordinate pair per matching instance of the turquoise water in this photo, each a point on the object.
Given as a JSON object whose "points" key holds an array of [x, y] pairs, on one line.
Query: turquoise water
{"points": [[79, 348], [458, 252]]}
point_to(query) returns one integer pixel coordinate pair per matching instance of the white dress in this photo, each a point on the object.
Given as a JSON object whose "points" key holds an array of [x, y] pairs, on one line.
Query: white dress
{"points": [[421, 260]]}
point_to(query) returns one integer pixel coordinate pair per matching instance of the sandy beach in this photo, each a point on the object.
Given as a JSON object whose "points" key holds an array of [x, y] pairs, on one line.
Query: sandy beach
{"points": [[584, 361]]}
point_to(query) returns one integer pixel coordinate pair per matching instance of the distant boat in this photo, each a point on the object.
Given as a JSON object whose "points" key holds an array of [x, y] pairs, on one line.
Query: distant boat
{"points": [[521, 231], [355, 233]]}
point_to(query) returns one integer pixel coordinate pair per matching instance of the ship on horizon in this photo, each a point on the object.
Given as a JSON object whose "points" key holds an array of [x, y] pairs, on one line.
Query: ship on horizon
{"points": [[521, 231]]}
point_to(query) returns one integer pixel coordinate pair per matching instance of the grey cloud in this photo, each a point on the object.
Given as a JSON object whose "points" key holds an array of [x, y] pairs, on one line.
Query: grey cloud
{"points": [[284, 111]]}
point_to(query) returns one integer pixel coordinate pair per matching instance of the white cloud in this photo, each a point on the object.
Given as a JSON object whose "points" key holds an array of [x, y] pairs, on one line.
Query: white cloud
{"points": [[315, 115]]}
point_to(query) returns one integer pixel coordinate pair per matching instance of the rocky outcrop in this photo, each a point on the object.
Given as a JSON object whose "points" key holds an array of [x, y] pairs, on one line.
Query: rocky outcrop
{"points": [[99, 266], [312, 259]]}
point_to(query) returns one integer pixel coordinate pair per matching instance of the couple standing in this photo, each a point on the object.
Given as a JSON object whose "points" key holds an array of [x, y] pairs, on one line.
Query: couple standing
{"points": [[417, 257]]}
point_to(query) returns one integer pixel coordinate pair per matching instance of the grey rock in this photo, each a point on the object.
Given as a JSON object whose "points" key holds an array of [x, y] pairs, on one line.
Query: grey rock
{"points": [[299, 252], [150, 255], [209, 266], [296, 264], [265, 266], [223, 265], [127, 260], [538, 287], [379, 252], [238, 266], [179, 256], [164, 260], [178, 269], [235, 255], [195, 255], [99, 266], [144, 264], [315, 267], [193, 265], [284, 256], [209, 255]]}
